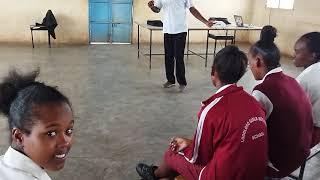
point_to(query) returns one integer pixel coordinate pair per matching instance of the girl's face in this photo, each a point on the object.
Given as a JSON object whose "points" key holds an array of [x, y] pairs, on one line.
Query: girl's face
{"points": [[302, 56], [51, 136]]}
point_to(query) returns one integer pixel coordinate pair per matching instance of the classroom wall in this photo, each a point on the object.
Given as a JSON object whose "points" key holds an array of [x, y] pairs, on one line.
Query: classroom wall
{"points": [[291, 24], [208, 8], [72, 17], [17, 15]]}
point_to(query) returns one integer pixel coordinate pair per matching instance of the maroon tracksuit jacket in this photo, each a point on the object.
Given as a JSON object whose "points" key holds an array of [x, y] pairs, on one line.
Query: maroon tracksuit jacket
{"points": [[289, 121], [231, 138]]}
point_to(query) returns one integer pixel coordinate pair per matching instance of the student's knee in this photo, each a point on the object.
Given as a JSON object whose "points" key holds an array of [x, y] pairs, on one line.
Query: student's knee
{"points": [[168, 156]]}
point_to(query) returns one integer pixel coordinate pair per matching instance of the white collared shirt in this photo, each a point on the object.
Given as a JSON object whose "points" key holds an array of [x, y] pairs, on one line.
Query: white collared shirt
{"points": [[16, 166], [174, 15], [223, 88], [262, 98], [220, 89], [275, 70], [309, 80]]}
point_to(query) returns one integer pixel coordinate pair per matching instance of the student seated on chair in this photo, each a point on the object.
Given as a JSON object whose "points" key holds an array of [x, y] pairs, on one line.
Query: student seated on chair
{"points": [[230, 142], [307, 55], [41, 123], [289, 114]]}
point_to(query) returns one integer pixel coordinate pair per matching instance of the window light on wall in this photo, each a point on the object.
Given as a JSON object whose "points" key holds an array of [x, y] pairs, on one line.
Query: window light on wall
{"points": [[282, 4]]}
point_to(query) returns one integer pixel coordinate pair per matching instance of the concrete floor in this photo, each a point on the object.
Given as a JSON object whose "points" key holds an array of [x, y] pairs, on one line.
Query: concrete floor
{"points": [[124, 116]]}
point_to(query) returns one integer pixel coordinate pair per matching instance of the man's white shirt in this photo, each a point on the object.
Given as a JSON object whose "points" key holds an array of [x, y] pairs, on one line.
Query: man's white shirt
{"points": [[174, 15]]}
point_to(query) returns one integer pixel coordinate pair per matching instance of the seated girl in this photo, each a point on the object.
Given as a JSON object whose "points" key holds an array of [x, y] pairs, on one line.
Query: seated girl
{"points": [[230, 142], [307, 55], [289, 114]]}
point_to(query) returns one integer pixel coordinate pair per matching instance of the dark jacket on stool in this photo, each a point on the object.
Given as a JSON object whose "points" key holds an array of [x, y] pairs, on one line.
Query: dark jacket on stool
{"points": [[50, 22]]}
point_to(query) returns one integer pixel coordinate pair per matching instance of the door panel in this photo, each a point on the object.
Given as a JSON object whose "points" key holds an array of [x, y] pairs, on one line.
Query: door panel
{"points": [[94, 1], [100, 32], [122, 16], [121, 13], [100, 12], [110, 21], [121, 33], [122, 1]]}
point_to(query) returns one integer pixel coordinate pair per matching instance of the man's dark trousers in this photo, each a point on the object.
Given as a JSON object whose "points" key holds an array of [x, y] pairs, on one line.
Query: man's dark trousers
{"points": [[174, 45]]}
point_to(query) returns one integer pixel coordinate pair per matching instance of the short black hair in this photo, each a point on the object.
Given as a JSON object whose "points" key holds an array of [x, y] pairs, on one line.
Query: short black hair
{"points": [[267, 48], [230, 63], [20, 94], [312, 40]]}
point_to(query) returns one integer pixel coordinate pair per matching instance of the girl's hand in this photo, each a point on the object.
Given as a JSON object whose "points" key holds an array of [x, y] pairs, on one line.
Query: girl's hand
{"points": [[210, 23], [178, 144]]}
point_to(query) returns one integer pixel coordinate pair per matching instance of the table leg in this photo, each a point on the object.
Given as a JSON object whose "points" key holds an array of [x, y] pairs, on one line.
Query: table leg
{"points": [[49, 39], [32, 38], [225, 42], [138, 41], [150, 50], [207, 45]]}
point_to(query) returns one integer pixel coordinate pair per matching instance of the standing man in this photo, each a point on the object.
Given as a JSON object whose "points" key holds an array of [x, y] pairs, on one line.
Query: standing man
{"points": [[175, 32]]}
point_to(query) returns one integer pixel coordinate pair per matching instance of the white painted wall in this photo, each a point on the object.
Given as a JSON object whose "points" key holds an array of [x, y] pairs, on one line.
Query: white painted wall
{"points": [[17, 15], [72, 17], [291, 24]]}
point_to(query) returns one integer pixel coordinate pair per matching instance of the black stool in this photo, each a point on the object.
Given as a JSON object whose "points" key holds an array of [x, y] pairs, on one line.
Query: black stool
{"points": [[39, 28], [49, 23]]}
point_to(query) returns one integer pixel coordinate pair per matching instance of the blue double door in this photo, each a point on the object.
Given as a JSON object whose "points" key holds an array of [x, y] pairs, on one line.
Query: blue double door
{"points": [[110, 21]]}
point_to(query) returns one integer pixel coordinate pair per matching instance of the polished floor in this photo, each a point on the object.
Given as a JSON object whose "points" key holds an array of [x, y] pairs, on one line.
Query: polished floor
{"points": [[123, 115]]}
